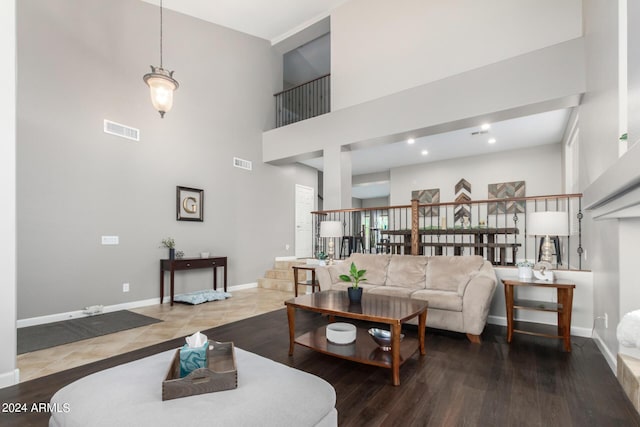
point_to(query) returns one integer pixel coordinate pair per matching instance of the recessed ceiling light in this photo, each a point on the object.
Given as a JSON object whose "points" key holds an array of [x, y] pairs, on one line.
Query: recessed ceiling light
{"points": [[492, 141], [485, 126], [410, 141], [424, 152]]}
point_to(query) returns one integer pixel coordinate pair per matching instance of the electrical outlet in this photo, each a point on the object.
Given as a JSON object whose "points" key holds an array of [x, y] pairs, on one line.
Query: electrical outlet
{"points": [[286, 247], [606, 321], [125, 287]]}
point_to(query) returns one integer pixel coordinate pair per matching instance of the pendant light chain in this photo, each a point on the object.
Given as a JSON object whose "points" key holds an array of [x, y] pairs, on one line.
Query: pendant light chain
{"points": [[160, 33]]}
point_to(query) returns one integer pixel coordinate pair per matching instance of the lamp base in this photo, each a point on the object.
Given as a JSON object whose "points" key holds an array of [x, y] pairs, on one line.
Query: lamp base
{"points": [[546, 251], [330, 251]]}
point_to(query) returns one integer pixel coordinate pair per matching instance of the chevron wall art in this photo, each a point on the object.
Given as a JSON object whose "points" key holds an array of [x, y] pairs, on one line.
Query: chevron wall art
{"points": [[427, 196], [463, 196], [506, 190]]}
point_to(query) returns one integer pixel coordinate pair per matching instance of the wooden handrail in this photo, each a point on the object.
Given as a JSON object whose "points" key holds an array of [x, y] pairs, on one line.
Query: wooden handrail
{"points": [[471, 202]]}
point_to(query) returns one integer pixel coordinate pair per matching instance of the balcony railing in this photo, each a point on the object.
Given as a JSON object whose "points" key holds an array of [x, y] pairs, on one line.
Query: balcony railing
{"points": [[304, 101], [495, 229]]}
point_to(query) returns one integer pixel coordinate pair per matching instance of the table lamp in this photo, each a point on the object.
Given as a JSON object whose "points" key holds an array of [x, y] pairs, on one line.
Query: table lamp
{"points": [[547, 224], [330, 230]]}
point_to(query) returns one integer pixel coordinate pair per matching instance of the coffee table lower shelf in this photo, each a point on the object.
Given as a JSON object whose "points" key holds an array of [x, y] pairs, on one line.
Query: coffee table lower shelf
{"points": [[363, 350]]}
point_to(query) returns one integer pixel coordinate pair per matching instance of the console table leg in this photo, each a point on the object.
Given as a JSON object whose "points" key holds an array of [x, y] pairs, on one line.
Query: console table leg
{"points": [[215, 279], [291, 317], [161, 284], [171, 287], [508, 297], [565, 296]]}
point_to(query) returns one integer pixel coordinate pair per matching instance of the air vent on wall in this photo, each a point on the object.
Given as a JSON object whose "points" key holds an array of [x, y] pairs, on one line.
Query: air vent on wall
{"points": [[241, 163], [123, 131]]}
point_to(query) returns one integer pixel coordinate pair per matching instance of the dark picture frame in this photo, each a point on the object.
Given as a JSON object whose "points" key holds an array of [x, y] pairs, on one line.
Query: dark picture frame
{"points": [[189, 204]]}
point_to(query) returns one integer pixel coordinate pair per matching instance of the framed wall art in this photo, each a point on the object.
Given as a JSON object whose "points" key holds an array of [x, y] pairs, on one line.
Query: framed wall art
{"points": [[189, 204]]}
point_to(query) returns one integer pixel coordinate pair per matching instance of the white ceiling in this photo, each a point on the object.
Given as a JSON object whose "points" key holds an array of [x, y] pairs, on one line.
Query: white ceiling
{"points": [[529, 131], [272, 20]]}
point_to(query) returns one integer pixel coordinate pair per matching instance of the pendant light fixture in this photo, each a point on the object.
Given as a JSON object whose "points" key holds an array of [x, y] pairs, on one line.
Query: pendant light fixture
{"points": [[161, 82]]}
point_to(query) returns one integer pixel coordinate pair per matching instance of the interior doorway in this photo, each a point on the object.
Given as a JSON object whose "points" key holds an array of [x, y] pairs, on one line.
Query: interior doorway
{"points": [[304, 224]]}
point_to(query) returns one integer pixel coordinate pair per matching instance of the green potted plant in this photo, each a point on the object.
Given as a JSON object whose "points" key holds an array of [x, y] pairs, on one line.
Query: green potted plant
{"points": [[355, 276], [171, 245], [322, 257]]}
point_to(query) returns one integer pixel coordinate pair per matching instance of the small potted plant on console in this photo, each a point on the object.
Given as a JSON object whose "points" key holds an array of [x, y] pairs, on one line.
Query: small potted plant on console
{"points": [[355, 276]]}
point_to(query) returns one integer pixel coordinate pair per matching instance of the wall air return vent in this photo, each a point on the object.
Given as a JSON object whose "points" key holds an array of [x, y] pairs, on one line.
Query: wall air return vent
{"points": [[123, 131], [241, 163]]}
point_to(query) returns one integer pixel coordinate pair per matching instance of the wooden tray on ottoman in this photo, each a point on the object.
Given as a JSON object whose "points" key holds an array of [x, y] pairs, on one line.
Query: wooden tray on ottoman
{"points": [[220, 374]]}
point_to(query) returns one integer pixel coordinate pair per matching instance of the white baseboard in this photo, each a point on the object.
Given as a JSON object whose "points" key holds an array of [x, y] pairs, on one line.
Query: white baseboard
{"points": [[576, 331], [10, 378], [40, 320], [611, 359]]}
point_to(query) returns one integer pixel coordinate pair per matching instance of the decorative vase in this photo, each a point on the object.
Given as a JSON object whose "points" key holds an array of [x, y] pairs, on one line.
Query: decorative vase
{"points": [[525, 272], [172, 253], [355, 295]]}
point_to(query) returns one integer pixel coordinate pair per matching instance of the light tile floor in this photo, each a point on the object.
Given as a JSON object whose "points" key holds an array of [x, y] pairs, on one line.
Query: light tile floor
{"points": [[180, 320]]}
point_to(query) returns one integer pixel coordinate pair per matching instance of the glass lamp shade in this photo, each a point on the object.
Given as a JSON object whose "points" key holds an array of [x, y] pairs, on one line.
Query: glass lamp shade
{"points": [[161, 85]]}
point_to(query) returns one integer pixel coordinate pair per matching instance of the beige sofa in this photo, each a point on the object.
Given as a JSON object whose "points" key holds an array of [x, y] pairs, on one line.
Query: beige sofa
{"points": [[459, 288]]}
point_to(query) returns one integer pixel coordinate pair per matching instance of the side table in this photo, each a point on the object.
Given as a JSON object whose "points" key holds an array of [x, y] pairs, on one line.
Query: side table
{"points": [[563, 307], [296, 281]]}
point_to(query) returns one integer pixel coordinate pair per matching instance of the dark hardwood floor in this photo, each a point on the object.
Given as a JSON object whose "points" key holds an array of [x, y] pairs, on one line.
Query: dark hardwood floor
{"points": [[530, 382]]}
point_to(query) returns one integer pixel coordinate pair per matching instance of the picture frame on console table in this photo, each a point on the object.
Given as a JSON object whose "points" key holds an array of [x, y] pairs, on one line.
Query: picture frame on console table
{"points": [[189, 204]]}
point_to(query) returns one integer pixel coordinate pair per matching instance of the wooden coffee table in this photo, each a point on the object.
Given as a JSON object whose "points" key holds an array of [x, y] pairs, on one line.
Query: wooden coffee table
{"points": [[393, 311]]}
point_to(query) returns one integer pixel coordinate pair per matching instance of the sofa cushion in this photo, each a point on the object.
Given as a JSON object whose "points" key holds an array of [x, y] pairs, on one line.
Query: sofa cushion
{"points": [[394, 291], [335, 270], [452, 273], [407, 271], [376, 266], [443, 300]]}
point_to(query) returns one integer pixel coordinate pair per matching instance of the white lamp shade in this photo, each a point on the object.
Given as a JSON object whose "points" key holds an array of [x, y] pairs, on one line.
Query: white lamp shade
{"points": [[331, 229], [548, 224]]}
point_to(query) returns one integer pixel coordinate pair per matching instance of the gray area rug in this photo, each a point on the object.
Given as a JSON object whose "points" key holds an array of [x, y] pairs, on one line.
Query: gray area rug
{"points": [[38, 337]]}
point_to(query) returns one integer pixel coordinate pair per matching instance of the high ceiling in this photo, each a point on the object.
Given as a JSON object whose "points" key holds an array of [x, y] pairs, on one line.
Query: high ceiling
{"points": [[275, 20], [272, 20]]}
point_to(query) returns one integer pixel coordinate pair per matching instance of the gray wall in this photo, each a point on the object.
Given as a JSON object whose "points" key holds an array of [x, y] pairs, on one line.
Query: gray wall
{"points": [[76, 183], [598, 152]]}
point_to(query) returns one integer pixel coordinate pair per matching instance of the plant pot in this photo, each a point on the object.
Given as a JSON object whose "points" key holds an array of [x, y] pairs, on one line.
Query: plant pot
{"points": [[172, 253], [355, 295], [525, 272]]}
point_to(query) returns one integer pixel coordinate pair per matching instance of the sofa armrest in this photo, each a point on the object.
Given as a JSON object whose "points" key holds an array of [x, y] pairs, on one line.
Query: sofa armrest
{"points": [[323, 277], [476, 300]]}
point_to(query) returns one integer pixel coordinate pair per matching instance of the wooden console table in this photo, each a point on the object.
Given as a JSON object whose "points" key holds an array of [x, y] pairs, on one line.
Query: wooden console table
{"points": [[563, 307], [171, 265]]}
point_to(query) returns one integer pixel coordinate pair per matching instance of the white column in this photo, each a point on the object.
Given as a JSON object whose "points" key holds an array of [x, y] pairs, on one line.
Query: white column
{"points": [[336, 179], [8, 372]]}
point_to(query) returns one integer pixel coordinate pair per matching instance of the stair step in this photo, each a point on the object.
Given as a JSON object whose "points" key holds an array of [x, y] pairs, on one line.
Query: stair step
{"points": [[286, 265], [279, 274], [282, 285]]}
